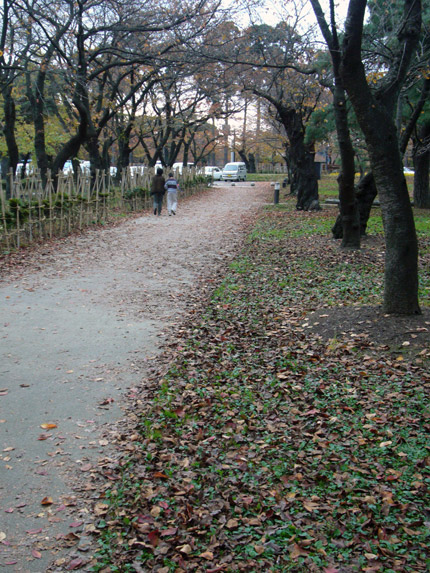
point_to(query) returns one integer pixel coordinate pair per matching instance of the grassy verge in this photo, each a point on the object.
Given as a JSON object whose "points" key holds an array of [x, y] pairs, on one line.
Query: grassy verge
{"points": [[267, 446]]}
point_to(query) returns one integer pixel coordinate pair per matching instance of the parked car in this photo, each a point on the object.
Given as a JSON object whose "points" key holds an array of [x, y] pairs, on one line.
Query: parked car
{"points": [[85, 167], [138, 169], [212, 172], [179, 166], [68, 167], [28, 168], [235, 171]]}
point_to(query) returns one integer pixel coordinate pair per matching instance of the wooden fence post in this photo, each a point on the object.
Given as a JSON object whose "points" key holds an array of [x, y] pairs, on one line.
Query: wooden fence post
{"points": [[3, 214]]}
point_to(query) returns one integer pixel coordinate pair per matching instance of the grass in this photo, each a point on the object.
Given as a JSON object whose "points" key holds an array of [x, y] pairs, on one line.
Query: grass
{"points": [[266, 447]]}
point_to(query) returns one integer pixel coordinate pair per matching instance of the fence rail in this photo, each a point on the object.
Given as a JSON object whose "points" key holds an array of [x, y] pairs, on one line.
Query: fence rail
{"points": [[35, 212]]}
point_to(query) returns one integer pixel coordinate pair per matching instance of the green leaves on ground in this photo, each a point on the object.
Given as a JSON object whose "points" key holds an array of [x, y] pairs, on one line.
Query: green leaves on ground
{"points": [[289, 431]]}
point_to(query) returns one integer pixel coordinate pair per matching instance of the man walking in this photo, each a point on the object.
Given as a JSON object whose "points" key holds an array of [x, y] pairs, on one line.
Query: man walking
{"points": [[158, 190], [172, 187]]}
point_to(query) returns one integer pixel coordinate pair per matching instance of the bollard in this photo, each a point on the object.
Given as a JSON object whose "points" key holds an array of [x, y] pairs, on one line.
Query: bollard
{"points": [[276, 197]]}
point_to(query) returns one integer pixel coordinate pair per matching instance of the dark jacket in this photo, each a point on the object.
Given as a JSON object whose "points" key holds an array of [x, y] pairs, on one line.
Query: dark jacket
{"points": [[157, 185]]}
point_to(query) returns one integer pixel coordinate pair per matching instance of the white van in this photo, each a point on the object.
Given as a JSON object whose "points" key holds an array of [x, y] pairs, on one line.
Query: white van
{"points": [[235, 171]]}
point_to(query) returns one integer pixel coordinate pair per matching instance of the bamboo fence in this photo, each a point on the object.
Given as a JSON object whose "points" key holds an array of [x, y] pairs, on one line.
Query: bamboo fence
{"points": [[36, 212]]}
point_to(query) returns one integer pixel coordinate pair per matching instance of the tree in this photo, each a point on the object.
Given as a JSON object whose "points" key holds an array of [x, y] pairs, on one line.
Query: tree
{"points": [[14, 44], [293, 95], [104, 60], [349, 212], [376, 108], [57, 21]]}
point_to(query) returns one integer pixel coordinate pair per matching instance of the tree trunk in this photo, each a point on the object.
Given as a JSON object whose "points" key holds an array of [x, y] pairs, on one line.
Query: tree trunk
{"points": [[302, 155], [38, 109], [307, 185], [92, 146], [9, 128], [375, 116], [349, 213], [124, 149], [401, 252], [365, 192], [421, 157]]}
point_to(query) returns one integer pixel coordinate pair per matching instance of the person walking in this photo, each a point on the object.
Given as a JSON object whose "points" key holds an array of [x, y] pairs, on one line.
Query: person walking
{"points": [[172, 188], [157, 190]]}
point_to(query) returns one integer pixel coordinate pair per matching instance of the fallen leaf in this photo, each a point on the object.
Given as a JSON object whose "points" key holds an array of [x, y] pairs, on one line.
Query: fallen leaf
{"points": [[370, 556], [184, 549], [296, 551], [48, 426], [47, 501], [310, 505], [154, 537], [34, 531], [207, 555], [75, 564]]}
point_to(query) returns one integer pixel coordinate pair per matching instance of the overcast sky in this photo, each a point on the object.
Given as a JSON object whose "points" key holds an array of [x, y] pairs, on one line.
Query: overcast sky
{"points": [[277, 10]]}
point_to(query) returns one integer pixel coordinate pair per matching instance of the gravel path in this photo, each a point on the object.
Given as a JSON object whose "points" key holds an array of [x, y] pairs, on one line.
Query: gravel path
{"points": [[80, 318]]}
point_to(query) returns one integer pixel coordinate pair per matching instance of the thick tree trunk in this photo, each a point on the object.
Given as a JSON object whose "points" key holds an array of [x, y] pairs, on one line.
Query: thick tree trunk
{"points": [[70, 148], [365, 192], [124, 150], [302, 155], [401, 253], [9, 128], [306, 183], [349, 215], [92, 146], [38, 109], [375, 116]]}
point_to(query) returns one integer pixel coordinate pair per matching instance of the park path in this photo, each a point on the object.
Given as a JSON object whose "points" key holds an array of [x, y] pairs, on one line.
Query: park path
{"points": [[80, 318]]}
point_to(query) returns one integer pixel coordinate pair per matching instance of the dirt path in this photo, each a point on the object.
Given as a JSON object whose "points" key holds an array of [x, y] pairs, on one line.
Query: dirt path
{"points": [[78, 321]]}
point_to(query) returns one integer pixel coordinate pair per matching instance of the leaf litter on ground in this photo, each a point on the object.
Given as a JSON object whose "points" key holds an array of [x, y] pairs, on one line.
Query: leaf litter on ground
{"points": [[282, 430]]}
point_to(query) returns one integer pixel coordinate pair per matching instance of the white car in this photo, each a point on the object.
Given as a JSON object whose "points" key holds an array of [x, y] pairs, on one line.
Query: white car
{"points": [[28, 168], [138, 169], [68, 167], [234, 171], [212, 172], [178, 167]]}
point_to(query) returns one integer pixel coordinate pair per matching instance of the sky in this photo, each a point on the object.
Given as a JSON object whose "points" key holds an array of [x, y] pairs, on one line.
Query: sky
{"points": [[275, 10]]}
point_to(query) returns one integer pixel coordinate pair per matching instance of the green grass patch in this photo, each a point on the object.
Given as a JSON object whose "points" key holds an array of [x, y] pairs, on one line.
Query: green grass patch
{"points": [[267, 447]]}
